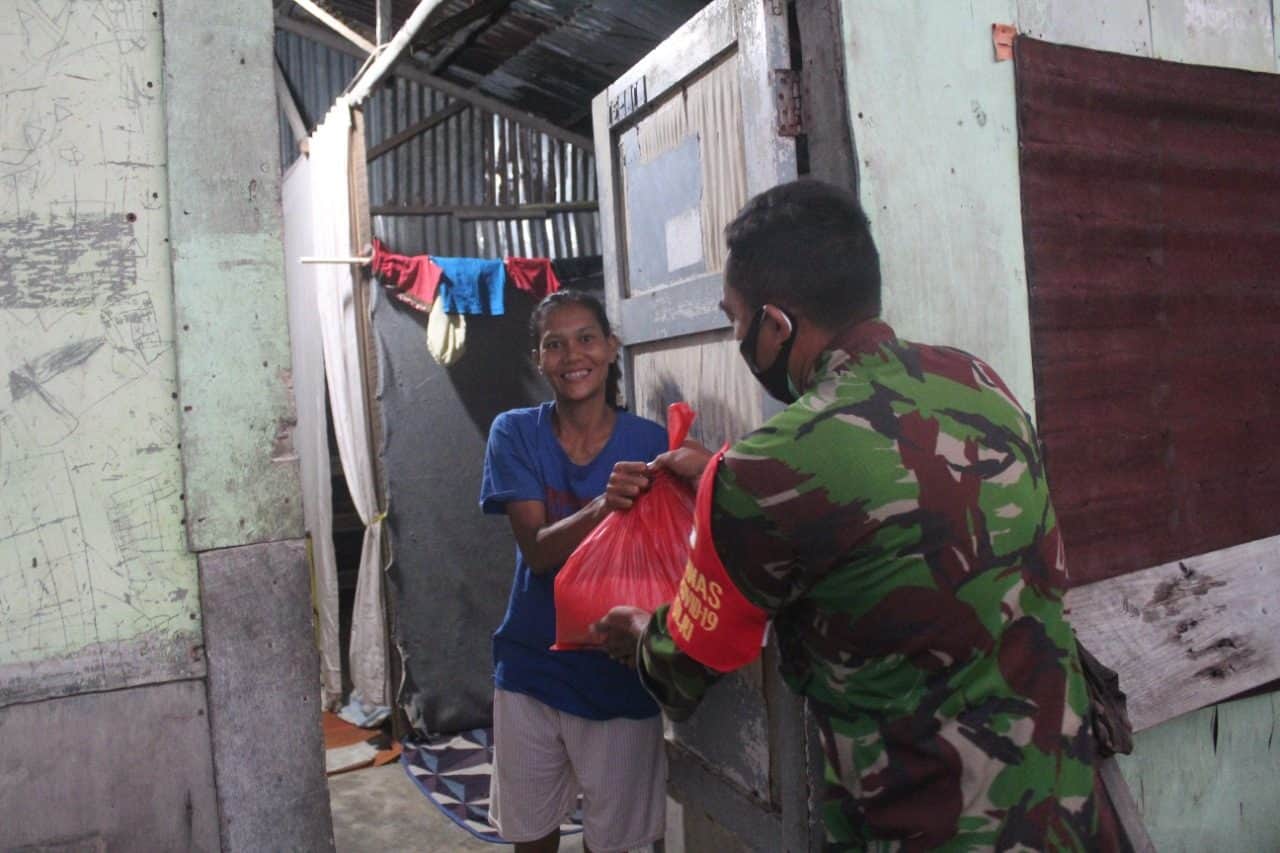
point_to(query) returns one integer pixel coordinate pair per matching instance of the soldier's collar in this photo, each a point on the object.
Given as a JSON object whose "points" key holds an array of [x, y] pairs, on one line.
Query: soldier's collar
{"points": [[864, 338]]}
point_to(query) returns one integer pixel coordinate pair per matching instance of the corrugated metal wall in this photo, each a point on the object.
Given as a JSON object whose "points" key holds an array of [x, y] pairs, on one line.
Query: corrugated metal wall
{"points": [[473, 159], [1151, 195]]}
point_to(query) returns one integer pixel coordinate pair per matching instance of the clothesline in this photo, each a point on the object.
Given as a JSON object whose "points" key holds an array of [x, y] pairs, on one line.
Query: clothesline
{"points": [[446, 289], [360, 261]]}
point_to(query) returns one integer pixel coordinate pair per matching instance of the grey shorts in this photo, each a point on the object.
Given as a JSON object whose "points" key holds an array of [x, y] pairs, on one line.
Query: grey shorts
{"points": [[543, 758]]}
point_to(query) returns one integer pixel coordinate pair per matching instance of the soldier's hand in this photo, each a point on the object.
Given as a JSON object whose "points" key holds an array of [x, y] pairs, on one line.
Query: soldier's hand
{"points": [[687, 461], [622, 627]]}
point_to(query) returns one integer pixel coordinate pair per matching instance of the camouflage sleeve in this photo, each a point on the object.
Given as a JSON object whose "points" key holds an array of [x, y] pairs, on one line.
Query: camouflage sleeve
{"points": [[758, 561], [675, 680]]}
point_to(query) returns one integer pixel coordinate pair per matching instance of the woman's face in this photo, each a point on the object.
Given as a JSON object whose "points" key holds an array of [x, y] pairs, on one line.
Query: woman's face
{"points": [[574, 353]]}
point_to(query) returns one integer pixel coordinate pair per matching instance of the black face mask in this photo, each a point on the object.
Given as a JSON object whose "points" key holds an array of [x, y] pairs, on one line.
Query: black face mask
{"points": [[774, 378]]}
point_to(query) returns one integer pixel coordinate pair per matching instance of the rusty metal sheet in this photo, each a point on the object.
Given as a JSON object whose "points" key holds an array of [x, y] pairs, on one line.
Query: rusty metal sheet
{"points": [[1151, 199]]}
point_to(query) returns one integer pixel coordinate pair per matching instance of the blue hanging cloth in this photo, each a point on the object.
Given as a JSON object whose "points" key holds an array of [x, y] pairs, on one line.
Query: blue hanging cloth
{"points": [[472, 285]]}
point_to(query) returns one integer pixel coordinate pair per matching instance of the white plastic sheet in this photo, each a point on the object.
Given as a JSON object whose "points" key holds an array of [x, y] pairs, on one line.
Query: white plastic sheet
{"points": [[336, 309], [310, 437]]}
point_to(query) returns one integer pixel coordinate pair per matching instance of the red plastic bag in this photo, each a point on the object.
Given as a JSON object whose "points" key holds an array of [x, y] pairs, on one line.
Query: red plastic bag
{"points": [[634, 557]]}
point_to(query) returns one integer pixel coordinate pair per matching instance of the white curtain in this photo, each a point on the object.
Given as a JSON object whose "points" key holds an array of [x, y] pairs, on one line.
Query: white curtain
{"points": [[335, 302], [310, 438]]}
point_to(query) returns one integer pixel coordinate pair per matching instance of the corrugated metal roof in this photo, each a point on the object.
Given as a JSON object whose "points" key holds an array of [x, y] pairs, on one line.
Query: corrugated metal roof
{"points": [[549, 57], [1151, 208], [472, 159]]}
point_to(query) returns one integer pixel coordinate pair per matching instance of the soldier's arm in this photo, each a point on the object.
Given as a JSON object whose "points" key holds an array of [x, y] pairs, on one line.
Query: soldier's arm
{"points": [[754, 554], [675, 680]]}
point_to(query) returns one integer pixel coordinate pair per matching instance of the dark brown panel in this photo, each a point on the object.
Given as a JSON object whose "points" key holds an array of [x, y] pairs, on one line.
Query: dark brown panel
{"points": [[1151, 211]]}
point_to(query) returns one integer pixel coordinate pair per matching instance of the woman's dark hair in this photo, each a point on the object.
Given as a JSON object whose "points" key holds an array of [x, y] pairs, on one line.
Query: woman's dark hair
{"points": [[806, 245], [561, 298]]}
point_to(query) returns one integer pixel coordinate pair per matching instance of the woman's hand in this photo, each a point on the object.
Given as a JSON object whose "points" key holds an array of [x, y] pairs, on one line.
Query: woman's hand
{"points": [[687, 461], [627, 481], [622, 628]]}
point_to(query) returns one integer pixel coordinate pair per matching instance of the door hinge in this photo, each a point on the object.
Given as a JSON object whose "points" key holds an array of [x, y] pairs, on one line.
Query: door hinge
{"points": [[786, 99]]}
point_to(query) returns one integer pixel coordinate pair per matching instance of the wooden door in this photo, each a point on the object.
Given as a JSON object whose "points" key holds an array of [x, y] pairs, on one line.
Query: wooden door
{"points": [[682, 140]]}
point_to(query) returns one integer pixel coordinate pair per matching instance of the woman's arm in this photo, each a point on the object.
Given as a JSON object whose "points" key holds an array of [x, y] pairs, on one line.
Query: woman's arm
{"points": [[546, 546]]}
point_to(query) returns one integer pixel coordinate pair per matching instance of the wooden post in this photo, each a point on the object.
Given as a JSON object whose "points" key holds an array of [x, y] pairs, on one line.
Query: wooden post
{"points": [[320, 14], [285, 96], [382, 27], [390, 52]]}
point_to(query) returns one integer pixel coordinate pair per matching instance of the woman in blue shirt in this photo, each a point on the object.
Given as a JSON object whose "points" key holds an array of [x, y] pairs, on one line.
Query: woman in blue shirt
{"points": [[568, 722]]}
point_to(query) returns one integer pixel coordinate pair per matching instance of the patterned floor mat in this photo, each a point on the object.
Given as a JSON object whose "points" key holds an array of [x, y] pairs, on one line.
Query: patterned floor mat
{"points": [[454, 771]]}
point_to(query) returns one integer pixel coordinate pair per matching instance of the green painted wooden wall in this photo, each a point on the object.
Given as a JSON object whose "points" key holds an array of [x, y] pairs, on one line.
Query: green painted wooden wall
{"points": [[97, 587]]}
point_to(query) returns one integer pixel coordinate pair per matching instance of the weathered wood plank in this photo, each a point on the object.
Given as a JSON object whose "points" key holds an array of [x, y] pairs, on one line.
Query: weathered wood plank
{"points": [[153, 657], [1126, 809], [824, 100], [338, 26], [696, 44], [284, 96], [1207, 780], [263, 684], [393, 142], [132, 770], [695, 785], [1122, 26], [1231, 33], [241, 473], [612, 237], [1188, 633], [481, 211], [668, 312], [945, 166]]}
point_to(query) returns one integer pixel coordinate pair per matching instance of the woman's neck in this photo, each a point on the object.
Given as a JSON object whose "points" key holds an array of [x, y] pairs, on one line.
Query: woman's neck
{"points": [[583, 427]]}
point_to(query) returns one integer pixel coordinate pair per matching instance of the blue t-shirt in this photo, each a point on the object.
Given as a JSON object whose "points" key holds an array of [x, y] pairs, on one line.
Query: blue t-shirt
{"points": [[525, 462]]}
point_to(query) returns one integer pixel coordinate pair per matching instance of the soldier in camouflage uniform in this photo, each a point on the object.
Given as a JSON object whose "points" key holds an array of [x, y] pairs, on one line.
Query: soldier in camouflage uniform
{"points": [[894, 523]]}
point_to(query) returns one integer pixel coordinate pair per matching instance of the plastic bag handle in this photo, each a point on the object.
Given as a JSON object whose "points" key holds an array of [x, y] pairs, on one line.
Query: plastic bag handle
{"points": [[679, 418]]}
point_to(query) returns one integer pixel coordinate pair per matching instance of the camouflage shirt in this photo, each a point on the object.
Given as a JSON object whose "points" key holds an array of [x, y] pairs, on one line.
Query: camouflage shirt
{"points": [[896, 524]]}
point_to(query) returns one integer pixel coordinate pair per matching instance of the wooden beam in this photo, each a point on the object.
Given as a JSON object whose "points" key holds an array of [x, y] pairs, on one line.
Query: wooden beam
{"points": [[490, 211], [496, 107], [1125, 808], [383, 22], [462, 21], [825, 102], [391, 143], [442, 57], [390, 53], [284, 95], [410, 70], [320, 14], [1189, 633]]}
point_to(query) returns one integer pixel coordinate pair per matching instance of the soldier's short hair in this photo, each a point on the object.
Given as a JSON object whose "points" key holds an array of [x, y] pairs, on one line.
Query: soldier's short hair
{"points": [[805, 245]]}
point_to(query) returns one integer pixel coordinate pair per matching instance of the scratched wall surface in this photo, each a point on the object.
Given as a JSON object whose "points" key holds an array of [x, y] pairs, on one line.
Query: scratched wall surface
{"points": [[97, 589]]}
